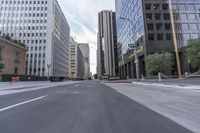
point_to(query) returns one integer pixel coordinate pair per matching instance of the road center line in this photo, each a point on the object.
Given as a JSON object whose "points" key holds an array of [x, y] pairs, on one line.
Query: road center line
{"points": [[18, 104]]}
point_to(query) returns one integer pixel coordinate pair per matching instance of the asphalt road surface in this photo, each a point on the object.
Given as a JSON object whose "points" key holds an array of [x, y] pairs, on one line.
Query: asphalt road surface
{"points": [[87, 107]]}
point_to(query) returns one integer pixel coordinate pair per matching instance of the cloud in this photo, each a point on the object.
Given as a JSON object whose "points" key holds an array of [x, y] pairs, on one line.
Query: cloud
{"points": [[82, 16]]}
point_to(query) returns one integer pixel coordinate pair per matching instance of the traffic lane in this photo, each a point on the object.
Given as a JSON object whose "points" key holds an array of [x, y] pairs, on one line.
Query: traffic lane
{"points": [[11, 99], [90, 108]]}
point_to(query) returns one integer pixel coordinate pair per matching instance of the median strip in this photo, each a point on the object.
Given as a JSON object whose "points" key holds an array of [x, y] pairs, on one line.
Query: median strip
{"points": [[18, 104]]}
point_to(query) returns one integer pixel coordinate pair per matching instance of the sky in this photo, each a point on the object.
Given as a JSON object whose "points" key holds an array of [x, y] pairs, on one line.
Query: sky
{"points": [[82, 16]]}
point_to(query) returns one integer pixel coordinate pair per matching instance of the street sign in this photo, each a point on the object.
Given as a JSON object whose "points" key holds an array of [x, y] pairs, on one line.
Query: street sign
{"points": [[133, 45]]}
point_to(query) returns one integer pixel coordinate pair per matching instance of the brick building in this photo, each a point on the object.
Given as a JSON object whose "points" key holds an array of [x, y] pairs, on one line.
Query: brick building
{"points": [[12, 55]]}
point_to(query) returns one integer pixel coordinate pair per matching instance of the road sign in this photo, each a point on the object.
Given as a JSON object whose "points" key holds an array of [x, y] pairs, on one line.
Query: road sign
{"points": [[133, 45]]}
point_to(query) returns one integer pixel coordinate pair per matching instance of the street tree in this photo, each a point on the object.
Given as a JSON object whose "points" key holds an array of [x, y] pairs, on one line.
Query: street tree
{"points": [[193, 53], [157, 62]]}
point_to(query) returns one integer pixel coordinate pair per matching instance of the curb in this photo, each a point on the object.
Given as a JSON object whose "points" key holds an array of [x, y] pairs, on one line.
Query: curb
{"points": [[194, 87]]}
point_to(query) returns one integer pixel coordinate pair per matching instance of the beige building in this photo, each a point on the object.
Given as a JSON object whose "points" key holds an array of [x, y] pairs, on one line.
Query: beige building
{"points": [[76, 61], [12, 55]]}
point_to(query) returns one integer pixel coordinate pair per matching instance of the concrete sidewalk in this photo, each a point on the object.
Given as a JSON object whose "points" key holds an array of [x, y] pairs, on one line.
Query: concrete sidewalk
{"points": [[20, 85], [8, 88], [173, 82], [180, 105]]}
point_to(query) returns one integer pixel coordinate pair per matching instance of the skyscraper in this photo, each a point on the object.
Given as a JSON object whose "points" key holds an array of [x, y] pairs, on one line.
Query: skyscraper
{"points": [[148, 22], [107, 59], [84, 47], [42, 26]]}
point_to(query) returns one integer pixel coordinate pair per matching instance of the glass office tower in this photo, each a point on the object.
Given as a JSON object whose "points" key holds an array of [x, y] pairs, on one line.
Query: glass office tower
{"points": [[150, 19]]}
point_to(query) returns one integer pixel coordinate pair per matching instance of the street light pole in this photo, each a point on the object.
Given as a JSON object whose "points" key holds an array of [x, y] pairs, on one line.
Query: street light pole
{"points": [[175, 39], [136, 64], [48, 66]]}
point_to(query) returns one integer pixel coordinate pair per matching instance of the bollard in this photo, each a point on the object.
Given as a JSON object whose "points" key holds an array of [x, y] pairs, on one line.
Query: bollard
{"points": [[186, 75], [142, 77], [159, 77]]}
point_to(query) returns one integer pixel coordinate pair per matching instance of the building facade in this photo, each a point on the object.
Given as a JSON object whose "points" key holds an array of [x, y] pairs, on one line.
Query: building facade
{"points": [[84, 47], [42, 26], [107, 56], [148, 22], [76, 62], [13, 56]]}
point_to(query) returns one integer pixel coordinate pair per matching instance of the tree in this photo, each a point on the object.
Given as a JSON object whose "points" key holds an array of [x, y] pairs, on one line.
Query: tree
{"points": [[1, 67], [156, 63], [193, 53]]}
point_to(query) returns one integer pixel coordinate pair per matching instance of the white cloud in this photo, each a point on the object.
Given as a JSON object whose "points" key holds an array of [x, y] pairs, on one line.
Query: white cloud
{"points": [[82, 16]]}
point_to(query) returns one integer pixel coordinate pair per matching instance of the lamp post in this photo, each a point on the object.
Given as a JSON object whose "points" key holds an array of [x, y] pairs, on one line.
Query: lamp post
{"points": [[48, 67], [175, 39], [135, 52]]}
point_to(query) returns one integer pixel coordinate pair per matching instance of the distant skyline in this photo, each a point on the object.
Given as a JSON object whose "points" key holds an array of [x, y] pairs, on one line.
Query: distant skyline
{"points": [[82, 16]]}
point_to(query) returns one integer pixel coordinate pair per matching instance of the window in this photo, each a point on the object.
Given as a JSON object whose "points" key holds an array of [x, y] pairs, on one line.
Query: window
{"points": [[157, 16], [185, 26], [190, 7], [17, 57], [160, 36], [193, 26], [194, 36], [151, 37], [156, 6], [168, 36], [167, 26], [159, 26], [166, 16], [1, 53], [15, 70], [192, 16], [150, 26], [182, 7], [147, 6], [183, 16], [148, 16], [165, 6]]}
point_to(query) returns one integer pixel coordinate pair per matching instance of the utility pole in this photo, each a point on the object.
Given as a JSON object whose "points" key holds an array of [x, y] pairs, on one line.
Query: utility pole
{"points": [[175, 39]]}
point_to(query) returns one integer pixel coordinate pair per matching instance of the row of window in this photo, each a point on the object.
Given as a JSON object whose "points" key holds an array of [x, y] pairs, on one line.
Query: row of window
{"points": [[158, 26], [29, 35], [183, 7], [36, 48], [159, 36], [157, 16], [156, 6], [35, 41], [23, 2], [33, 71], [23, 21], [39, 55], [24, 8], [23, 14]]}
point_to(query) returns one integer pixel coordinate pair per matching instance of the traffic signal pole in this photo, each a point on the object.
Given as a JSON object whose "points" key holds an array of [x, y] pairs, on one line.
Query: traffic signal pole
{"points": [[136, 64]]}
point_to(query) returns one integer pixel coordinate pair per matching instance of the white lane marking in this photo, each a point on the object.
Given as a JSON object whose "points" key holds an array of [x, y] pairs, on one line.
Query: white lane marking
{"points": [[18, 104]]}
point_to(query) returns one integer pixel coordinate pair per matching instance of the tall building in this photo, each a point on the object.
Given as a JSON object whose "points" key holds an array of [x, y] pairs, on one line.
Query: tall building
{"points": [[107, 59], [76, 61], [42, 26], [148, 22], [84, 47]]}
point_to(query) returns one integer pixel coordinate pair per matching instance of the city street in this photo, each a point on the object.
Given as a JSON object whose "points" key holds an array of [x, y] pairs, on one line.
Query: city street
{"points": [[89, 107]]}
